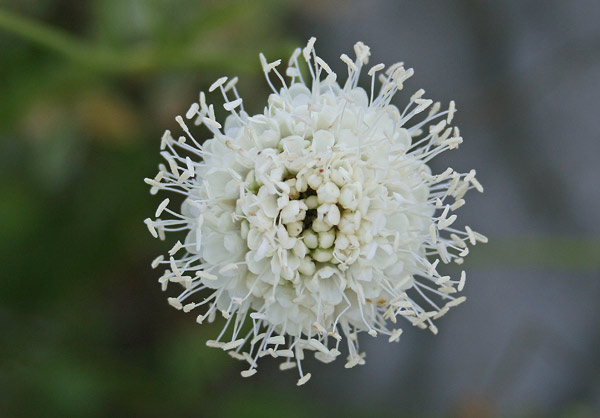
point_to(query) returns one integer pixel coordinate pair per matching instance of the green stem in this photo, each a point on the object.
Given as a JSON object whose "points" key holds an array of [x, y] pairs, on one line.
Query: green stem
{"points": [[555, 253], [50, 38], [101, 59]]}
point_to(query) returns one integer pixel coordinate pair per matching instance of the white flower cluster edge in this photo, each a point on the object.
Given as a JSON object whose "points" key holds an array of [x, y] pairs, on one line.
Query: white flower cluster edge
{"points": [[316, 219]]}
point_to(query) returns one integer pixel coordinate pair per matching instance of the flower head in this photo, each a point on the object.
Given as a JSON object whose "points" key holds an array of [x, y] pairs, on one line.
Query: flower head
{"points": [[316, 219]]}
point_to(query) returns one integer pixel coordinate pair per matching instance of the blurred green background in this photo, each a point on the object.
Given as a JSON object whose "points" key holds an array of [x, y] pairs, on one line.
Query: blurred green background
{"points": [[87, 88]]}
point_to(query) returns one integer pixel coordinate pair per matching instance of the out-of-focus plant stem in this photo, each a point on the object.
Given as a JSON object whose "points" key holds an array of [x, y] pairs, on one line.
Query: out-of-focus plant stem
{"points": [[544, 253], [130, 61]]}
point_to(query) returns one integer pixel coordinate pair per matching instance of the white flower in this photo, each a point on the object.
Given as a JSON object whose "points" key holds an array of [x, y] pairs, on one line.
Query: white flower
{"points": [[316, 219]]}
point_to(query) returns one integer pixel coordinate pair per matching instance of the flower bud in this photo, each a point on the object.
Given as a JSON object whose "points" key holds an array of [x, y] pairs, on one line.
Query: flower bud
{"points": [[300, 249], [290, 212], [314, 181], [328, 193], [322, 255], [338, 177], [333, 215], [349, 197], [341, 241], [294, 228], [312, 202], [310, 239], [319, 225], [326, 238], [307, 267]]}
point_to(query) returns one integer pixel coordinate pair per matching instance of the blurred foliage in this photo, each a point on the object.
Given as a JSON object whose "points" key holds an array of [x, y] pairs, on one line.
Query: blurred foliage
{"points": [[88, 88]]}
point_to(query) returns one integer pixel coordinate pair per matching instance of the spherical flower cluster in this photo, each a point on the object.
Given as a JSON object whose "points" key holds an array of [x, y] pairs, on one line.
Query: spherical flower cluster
{"points": [[316, 219]]}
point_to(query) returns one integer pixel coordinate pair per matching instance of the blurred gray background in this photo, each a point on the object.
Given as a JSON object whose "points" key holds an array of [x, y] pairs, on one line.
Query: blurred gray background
{"points": [[526, 79], [87, 90]]}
